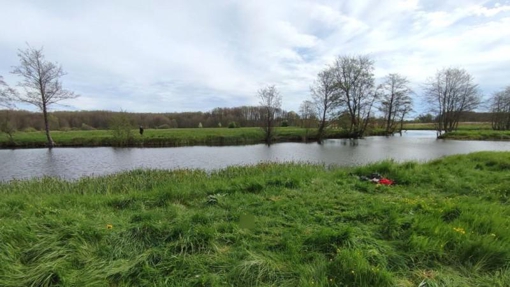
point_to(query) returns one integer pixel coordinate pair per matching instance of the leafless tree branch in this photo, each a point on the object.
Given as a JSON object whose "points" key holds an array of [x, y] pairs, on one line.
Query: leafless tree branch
{"points": [[40, 83]]}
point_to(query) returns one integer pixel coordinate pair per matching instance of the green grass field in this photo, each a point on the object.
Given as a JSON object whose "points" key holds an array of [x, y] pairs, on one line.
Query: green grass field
{"points": [[445, 222], [220, 136], [164, 137], [462, 126]]}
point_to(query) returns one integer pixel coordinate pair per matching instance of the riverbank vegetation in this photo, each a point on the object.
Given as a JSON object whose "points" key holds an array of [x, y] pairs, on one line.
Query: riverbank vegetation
{"points": [[166, 137], [444, 223], [477, 135], [219, 136]]}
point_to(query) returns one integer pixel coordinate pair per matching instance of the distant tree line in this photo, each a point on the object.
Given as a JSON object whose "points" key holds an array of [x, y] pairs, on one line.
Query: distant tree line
{"points": [[245, 116], [21, 120]]}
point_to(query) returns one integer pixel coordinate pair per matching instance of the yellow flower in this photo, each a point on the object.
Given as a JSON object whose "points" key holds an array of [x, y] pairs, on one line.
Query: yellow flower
{"points": [[109, 226], [459, 230]]}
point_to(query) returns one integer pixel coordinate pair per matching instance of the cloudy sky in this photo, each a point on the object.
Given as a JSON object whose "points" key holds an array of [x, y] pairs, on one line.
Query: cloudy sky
{"points": [[190, 55]]}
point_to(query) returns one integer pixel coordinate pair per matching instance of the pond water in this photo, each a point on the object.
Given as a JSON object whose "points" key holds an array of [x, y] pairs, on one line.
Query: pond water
{"points": [[72, 163]]}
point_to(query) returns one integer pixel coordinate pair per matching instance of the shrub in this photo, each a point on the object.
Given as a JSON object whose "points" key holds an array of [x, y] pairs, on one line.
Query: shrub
{"points": [[233, 125], [121, 129]]}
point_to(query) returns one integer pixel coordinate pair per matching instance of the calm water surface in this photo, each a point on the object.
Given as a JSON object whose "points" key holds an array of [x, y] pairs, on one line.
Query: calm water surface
{"points": [[72, 163]]}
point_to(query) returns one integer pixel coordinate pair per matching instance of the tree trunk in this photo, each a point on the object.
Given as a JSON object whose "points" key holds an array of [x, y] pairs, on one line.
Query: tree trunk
{"points": [[321, 128], [47, 128], [388, 120]]}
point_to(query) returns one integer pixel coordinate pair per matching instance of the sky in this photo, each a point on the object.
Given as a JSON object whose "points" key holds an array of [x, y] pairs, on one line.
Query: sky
{"points": [[191, 55]]}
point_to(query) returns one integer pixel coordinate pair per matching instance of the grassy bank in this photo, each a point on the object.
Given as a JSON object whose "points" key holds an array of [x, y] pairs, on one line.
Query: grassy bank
{"points": [[463, 126], [446, 222], [164, 137], [466, 131], [477, 135]]}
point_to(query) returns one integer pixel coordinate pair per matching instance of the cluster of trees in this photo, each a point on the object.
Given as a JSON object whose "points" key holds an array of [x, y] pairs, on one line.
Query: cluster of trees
{"points": [[346, 89]]}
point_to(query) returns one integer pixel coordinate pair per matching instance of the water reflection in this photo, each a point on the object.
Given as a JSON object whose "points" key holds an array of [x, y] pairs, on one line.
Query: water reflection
{"points": [[78, 162]]}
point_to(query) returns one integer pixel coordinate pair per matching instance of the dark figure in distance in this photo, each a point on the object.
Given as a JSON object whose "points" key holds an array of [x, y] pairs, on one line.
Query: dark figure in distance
{"points": [[141, 130]]}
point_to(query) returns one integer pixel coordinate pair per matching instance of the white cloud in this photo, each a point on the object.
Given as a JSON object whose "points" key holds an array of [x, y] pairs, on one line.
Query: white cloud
{"points": [[196, 55], [489, 12]]}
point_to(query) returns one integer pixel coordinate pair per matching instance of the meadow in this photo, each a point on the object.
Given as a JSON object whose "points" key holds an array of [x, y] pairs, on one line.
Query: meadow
{"points": [[463, 126], [221, 136], [443, 223]]}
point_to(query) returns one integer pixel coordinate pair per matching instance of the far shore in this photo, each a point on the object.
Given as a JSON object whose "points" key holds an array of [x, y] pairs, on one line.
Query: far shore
{"points": [[221, 136]]}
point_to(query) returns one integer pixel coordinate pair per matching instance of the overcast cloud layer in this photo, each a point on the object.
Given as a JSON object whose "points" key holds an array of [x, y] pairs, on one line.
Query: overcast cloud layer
{"points": [[165, 56]]}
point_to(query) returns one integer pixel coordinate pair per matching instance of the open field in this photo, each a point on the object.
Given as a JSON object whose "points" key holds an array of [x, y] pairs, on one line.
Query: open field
{"points": [[219, 136], [164, 137], [462, 126], [446, 223]]}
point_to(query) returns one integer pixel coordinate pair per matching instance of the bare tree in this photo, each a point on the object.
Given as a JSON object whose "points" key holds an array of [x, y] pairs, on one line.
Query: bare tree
{"points": [[500, 109], [307, 111], [324, 97], [270, 102], [396, 101], [356, 92], [41, 83], [450, 92]]}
